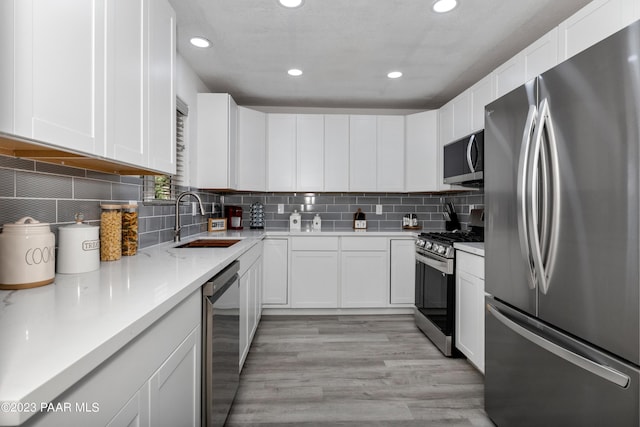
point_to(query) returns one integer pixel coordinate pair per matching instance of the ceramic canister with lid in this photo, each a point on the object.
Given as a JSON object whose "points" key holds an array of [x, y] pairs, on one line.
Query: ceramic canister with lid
{"points": [[27, 254], [78, 247]]}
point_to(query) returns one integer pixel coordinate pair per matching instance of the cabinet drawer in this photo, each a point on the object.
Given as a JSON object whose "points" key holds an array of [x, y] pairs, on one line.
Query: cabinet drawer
{"points": [[313, 243], [472, 264], [365, 243]]}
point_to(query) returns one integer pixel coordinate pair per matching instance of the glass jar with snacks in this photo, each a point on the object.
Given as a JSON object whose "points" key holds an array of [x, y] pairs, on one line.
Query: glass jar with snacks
{"points": [[110, 232], [129, 230]]}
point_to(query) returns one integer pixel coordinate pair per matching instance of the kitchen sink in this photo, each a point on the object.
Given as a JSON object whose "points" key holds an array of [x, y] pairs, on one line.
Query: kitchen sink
{"points": [[209, 243]]}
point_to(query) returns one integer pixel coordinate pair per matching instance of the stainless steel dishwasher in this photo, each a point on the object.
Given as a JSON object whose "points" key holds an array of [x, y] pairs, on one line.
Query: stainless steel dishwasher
{"points": [[220, 344]]}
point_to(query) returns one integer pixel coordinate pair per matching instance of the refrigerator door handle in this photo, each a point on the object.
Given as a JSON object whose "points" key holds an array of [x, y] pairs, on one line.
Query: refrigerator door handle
{"points": [[472, 166], [544, 240], [605, 372], [521, 191]]}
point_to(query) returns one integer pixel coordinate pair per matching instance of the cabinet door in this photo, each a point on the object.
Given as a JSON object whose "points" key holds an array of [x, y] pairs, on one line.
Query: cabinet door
{"points": [[245, 315], [135, 413], [126, 63], [403, 256], [509, 75], [445, 136], [365, 279], [461, 115], [421, 149], [161, 94], [275, 271], [59, 72], [336, 153], [252, 144], [470, 317], [481, 95], [310, 152], [174, 390], [314, 279], [541, 55], [216, 140], [594, 22], [362, 153], [390, 148], [281, 152]]}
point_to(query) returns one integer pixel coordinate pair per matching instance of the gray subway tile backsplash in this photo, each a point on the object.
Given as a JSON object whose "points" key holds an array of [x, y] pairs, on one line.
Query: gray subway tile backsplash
{"points": [[54, 194]]}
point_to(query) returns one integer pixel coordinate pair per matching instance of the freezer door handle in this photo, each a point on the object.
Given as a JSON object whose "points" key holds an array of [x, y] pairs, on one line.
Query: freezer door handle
{"points": [[544, 230], [472, 166], [521, 191], [595, 368]]}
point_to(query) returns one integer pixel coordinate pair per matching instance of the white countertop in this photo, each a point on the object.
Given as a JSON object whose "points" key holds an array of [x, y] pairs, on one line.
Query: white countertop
{"points": [[476, 248], [54, 335]]}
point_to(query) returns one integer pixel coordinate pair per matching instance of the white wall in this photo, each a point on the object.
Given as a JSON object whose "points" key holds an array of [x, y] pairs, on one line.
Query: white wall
{"points": [[188, 85]]}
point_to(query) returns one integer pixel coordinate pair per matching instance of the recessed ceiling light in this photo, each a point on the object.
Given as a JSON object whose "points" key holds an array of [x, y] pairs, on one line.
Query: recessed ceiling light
{"points": [[290, 3], [200, 42], [442, 6], [294, 72], [394, 74]]}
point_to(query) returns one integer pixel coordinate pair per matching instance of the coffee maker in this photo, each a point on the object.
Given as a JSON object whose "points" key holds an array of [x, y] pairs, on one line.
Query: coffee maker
{"points": [[234, 217]]}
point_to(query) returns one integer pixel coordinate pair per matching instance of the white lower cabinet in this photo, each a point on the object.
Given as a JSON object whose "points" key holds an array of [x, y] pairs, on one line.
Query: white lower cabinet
{"points": [[403, 271], [470, 307], [154, 380], [250, 298], [314, 272], [275, 287], [174, 392], [365, 272]]}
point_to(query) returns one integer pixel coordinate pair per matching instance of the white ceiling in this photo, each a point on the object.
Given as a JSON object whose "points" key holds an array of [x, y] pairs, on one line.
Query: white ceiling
{"points": [[346, 48]]}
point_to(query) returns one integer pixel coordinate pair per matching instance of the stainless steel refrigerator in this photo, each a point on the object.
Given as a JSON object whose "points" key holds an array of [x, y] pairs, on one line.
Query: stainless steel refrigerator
{"points": [[562, 243]]}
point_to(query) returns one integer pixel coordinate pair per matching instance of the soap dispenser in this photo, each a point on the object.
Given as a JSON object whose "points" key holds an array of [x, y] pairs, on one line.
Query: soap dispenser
{"points": [[317, 223]]}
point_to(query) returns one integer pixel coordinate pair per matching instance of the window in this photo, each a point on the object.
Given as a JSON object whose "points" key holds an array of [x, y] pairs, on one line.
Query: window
{"points": [[159, 188]]}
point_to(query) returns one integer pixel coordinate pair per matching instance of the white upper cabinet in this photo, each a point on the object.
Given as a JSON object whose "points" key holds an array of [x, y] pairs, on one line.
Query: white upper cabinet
{"points": [[310, 152], [594, 22], [251, 150], [217, 141], [336, 152], [54, 63], [362, 153], [390, 149], [461, 115], [421, 147], [281, 152], [481, 94], [541, 55], [445, 136], [509, 75], [91, 76], [125, 89], [161, 92]]}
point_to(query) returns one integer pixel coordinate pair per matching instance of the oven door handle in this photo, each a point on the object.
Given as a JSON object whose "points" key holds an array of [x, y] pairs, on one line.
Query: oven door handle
{"points": [[442, 266]]}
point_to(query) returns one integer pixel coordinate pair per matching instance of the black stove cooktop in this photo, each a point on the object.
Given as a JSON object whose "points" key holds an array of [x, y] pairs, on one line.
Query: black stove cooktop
{"points": [[451, 237]]}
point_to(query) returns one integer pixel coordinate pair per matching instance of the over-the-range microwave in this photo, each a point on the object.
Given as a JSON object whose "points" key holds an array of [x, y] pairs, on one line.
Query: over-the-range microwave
{"points": [[464, 161]]}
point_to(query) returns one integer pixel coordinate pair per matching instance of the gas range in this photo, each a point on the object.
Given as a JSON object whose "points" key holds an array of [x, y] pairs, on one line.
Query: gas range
{"points": [[441, 243]]}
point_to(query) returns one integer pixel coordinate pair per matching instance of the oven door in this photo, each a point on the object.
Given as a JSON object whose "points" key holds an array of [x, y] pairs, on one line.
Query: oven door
{"points": [[435, 300]]}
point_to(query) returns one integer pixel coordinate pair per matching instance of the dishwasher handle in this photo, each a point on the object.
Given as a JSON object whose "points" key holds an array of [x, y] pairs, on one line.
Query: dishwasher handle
{"points": [[216, 286]]}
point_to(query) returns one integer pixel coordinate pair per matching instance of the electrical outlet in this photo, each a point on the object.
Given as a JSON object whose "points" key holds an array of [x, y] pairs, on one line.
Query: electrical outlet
{"points": [[471, 207], [280, 208], [378, 209]]}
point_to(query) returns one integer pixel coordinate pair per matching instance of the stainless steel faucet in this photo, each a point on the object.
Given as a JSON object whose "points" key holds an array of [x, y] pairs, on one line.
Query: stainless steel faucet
{"points": [[176, 230]]}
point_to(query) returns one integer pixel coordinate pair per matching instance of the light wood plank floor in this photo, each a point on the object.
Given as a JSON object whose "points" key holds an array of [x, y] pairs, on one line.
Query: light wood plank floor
{"points": [[353, 371]]}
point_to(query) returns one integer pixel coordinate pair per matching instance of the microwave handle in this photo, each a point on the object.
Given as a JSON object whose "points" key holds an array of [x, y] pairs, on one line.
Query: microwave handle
{"points": [[472, 166]]}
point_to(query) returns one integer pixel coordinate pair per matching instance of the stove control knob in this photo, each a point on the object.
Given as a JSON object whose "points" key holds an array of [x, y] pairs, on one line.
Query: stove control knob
{"points": [[441, 249], [428, 245], [421, 243]]}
